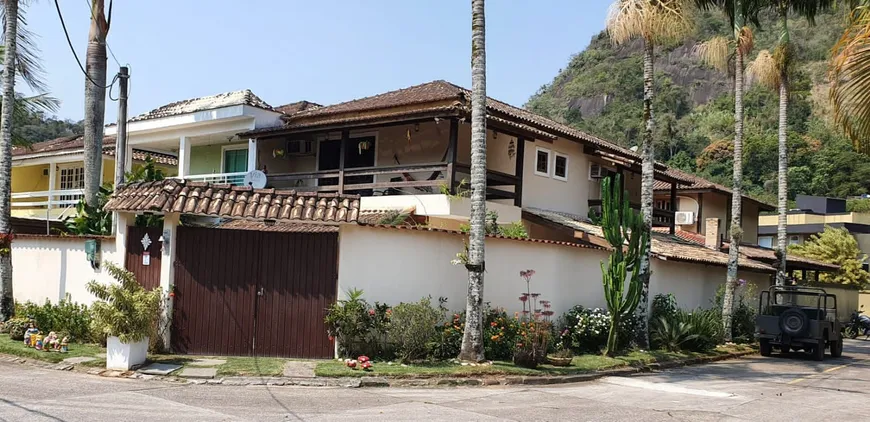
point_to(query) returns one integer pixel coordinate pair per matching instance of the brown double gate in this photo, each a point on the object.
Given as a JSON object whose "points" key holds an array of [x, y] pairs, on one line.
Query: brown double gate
{"points": [[243, 293]]}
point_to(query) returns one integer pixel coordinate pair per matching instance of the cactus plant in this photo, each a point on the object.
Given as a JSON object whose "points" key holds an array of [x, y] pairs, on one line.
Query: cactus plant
{"points": [[620, 223]]}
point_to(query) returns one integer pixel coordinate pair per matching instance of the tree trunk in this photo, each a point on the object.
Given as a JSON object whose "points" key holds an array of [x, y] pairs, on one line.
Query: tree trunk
{"points": [[612, 335], [472, 339], [95, 102], [646, 193], [782, 172], [782, 190], [736, 230], [7, 302]]}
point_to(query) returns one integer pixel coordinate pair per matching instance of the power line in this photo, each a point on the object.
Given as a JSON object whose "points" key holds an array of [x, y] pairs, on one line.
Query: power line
{"points": [[69, 41]]}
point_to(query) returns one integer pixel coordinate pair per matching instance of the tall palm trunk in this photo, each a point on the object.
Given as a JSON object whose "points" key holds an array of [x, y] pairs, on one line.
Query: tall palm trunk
{"points": [[7, 303], [472, 339], [736, 230], [782, 176], [95, 101], [646, 192]]}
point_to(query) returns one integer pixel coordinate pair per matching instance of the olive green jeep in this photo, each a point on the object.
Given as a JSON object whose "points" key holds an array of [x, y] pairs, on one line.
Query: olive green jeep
{"points": [[798, 318]]}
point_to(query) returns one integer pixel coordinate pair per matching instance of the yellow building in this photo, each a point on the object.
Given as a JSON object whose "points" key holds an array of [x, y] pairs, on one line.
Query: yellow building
{"points": [[48, 177]]}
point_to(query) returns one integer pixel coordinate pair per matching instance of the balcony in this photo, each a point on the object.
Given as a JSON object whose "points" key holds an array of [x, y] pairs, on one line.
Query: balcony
{"points": [[218, 178], [52, 204]]}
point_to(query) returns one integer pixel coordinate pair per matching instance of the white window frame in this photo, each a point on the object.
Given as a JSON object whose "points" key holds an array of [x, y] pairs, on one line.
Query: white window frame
{"points": [[556, 156], [69, 166], [225, 148], [538, 150]]}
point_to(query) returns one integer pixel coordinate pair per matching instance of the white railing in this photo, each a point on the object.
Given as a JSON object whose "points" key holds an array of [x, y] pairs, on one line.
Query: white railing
{"points": [[231, 178], [49, 200]]}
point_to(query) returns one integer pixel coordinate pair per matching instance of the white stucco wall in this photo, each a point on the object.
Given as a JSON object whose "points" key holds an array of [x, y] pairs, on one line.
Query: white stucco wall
{"points": [[394, 266], [49, 267], [557, 195]]}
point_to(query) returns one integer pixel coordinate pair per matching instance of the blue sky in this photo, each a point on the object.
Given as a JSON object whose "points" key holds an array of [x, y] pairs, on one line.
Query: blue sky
{"points": [[326, 51]]}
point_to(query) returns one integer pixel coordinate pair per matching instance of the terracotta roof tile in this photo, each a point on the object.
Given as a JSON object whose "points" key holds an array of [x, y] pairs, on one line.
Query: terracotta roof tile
{"points": [[198, 198], [683, 234], [768, 255], [75, 144], [457, 232], [226, 99], [297, 107], [262, 226], [664, 246], [699, 183]]}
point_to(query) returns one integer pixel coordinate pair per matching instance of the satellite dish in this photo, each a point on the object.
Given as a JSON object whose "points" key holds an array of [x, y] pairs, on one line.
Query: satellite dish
{"points": [[255, 179]]}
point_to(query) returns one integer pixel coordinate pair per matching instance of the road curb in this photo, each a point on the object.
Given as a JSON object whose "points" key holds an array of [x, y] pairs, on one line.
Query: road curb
{"points": [[381, 382]]}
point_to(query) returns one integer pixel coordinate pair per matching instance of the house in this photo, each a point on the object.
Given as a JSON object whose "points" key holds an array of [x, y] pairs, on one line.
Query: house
{"points": [[813, 213], [48, 177], [368, 194], [701, 199]]}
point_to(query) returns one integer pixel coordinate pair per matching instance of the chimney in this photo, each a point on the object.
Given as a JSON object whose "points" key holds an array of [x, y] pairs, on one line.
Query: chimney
{"points": [[711, 233]]}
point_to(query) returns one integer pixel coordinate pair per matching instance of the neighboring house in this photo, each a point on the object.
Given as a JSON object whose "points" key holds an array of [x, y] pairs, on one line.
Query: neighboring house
{"points": [[813, 213], [702, 199], [48, 177]]}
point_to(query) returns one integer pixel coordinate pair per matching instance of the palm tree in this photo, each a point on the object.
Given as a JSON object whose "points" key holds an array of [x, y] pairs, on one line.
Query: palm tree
{"points": [[773, 71], [850, 76], [717, 52], [7, 303], [472, 339], [655, 22], [95, 100]]}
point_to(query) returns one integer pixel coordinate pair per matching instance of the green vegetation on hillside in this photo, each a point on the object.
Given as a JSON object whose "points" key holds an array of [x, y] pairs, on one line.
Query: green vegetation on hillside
{"points": [[601, 91]]}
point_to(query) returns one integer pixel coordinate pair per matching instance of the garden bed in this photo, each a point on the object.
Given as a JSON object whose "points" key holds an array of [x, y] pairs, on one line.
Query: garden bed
{"points": [[16, 348], [580, 365]]}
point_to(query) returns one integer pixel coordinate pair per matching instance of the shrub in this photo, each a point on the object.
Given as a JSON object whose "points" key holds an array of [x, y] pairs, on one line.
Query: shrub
{"points": [[671, 334], [499, 334], [16, 327], [412, 329], [67, 318], [743, 313], [359, 328], [124, 309], [707, 325], [448, 340], [532, 343], [664, 306], [585, 330]]}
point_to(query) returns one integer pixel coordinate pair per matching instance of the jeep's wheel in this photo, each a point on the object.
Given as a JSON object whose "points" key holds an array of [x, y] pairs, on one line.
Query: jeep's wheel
{"points": [[819, 351], [764, 347], [837, 348]]}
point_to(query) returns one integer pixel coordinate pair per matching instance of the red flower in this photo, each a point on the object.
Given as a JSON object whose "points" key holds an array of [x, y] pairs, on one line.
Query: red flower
{"points": [[389, 311], [363, 359], [524, 298], [372, 312], [171, 294], [331, 338]]}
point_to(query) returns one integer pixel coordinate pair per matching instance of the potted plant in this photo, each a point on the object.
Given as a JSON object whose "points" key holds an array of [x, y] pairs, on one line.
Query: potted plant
{"points": [[125, 313], [562, 357]]}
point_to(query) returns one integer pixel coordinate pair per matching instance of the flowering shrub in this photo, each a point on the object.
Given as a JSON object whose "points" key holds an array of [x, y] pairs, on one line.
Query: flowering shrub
{"points": [[499, 334], [532, 343], [359, 328], [448, 340], [585, 330]]}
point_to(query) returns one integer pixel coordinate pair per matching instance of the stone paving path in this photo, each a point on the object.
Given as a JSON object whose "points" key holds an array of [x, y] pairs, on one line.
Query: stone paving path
{"points": [[299, 369]]}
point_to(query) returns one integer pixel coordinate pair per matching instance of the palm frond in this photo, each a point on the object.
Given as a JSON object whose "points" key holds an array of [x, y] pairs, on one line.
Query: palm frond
{"points": [[28, 56], [715, 52], [661, 21], [850, 80], [764, 70], [746, 40], [808, 9], [24, 106]]}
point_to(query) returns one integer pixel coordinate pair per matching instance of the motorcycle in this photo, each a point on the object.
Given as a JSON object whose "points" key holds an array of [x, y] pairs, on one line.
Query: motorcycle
{"points": [[859, 324]]}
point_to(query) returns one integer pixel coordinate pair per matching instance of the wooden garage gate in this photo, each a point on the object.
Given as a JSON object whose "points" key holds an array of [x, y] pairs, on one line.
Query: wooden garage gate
{"points": [[241, 292]]}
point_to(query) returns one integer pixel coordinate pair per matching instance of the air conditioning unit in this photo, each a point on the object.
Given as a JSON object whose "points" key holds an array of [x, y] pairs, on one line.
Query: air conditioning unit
{"points": [[596, 171], [684, 218], [300, 147]]}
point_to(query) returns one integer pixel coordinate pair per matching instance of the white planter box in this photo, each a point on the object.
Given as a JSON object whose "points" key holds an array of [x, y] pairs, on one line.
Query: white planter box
{"points": [[125, 356]]}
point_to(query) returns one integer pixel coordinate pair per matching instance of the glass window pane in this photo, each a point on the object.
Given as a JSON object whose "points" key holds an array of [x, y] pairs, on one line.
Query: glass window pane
{"points": [[542, 164], [561, 169], [235, 160]]}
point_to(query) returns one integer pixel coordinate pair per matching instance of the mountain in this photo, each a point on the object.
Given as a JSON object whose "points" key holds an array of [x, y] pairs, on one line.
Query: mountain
{"points": [[601, 92]]}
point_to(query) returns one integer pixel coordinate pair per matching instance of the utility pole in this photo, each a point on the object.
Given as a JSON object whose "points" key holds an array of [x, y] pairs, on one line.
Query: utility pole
{"points": [[121, 136]]}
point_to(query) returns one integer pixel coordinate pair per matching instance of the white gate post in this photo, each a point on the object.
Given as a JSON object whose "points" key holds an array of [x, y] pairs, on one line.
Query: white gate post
{"points": [[167, 274]]}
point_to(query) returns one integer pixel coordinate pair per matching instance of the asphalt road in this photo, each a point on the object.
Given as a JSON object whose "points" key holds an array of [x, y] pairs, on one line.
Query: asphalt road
{"points": [[753, 389]]}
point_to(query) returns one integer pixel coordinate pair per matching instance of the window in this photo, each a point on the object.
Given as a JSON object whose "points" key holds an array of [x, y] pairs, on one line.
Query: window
{"points": [[72, 178], [765, 241], [560, 167], [235, 160], [794, 240], [542, 162]]}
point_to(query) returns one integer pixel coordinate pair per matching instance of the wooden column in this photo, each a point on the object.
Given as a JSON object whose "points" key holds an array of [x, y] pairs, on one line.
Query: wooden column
{"points": [[699, 218], [674, 207], [521, 158], [342, 151], [452, 146]]}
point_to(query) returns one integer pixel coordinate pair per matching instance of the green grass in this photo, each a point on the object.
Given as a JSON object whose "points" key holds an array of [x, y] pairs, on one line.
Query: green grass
{"points": [[252, 366], [15, 347], [580, 364]]}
